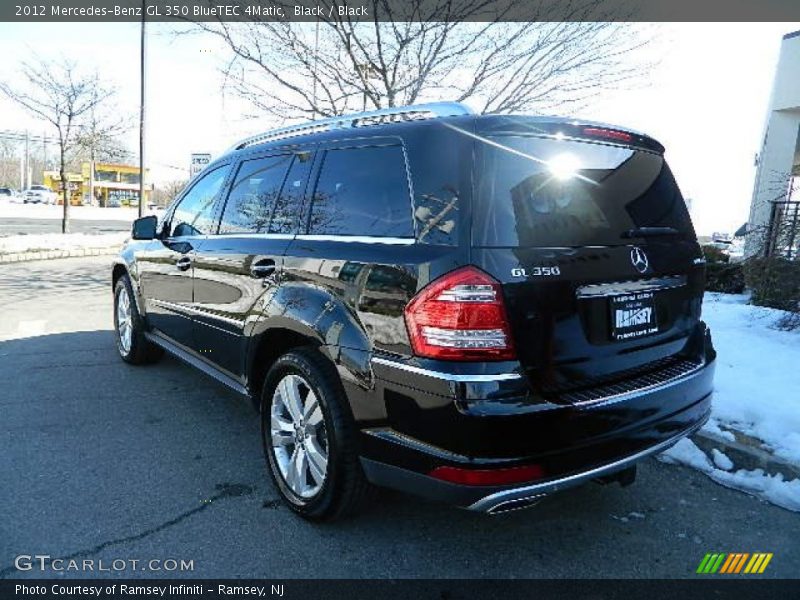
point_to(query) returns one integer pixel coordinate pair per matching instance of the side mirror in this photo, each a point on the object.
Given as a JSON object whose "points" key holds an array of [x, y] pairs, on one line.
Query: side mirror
{"points": [[144, 228]]}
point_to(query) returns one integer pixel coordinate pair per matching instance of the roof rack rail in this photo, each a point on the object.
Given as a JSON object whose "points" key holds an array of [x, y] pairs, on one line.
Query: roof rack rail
{"points": [[397, 114]]}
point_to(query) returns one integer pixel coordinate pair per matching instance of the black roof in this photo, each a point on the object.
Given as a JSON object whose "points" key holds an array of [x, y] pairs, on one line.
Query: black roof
{"points": [[477, 124]]}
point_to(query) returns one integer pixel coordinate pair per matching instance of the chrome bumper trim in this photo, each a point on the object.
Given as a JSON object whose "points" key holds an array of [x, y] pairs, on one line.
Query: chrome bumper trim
{"points": [[446, 376], [617, 288]]}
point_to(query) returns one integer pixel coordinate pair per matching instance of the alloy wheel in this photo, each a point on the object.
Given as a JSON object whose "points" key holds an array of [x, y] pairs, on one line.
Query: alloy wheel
{"points": [[298, 435], [124, 320]]}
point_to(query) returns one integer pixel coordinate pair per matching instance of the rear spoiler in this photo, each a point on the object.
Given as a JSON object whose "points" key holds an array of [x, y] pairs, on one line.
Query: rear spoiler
{"points": [[605, 133], [561, 128]]}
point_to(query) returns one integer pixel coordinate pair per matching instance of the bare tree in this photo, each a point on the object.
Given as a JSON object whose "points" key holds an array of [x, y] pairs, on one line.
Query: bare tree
{"points": [[164, 194], [58, 93], [428, 50], [9, 163], [99, 139]]}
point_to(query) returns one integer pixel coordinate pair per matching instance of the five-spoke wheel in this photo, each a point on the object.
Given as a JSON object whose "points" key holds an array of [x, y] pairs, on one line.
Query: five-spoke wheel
{"points": [[124, 322], [310, 438], [299, 438], [129, 327]]}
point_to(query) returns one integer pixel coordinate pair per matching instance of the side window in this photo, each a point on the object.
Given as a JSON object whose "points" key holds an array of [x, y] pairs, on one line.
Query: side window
{"points": [[194, 215], [362, 191], [291, 198], [253, 198]]}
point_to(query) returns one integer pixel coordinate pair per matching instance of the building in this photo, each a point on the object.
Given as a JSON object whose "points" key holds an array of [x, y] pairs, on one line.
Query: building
{"points": [[779, 158], [114, 185]]}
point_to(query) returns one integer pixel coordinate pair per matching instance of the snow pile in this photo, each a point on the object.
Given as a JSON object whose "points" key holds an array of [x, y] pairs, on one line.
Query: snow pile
{"points": [[60, 241], [16, 210], [772, 488], [755, 392], [12, 210], [758, 374]]}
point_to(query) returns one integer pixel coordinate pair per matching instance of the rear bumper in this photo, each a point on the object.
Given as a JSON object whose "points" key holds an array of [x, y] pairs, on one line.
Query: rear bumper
{"points": [[506, 499], [572, 444], [495, 500]]}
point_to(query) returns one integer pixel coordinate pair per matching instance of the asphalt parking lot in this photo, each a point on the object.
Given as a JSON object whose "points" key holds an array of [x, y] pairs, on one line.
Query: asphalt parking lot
{"points": [[102, 460]]}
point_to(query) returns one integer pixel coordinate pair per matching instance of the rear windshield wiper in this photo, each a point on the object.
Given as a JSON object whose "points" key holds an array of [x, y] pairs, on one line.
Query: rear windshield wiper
{"points": [[650, 232]]}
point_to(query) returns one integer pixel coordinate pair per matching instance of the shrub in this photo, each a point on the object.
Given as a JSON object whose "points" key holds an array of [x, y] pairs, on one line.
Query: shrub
{"points": [[775, 282], [725, 278], [714, 254]]}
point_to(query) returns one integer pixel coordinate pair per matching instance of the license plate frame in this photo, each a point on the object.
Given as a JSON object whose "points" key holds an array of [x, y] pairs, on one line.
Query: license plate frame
{"points": [[632, 316]]}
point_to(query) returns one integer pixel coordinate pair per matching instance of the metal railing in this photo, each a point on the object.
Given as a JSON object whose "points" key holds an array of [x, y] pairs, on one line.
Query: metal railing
{"points": [[783, 231]]}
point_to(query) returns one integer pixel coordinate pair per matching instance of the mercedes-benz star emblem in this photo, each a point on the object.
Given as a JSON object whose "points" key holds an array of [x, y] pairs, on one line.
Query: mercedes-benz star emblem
{"points": [[639, 259]]}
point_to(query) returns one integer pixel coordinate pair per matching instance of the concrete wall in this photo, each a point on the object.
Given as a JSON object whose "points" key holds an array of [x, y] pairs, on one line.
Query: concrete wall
{"points": [[779, 154]]}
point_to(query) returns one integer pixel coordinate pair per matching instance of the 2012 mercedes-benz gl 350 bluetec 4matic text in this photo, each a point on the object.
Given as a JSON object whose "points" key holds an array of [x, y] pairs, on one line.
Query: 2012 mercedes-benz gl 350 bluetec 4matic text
{"points": [[480, 310]]}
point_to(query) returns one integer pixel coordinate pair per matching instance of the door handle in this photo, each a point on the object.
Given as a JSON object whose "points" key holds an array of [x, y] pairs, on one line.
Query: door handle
{"points": [[262, 268], [183, 263]]}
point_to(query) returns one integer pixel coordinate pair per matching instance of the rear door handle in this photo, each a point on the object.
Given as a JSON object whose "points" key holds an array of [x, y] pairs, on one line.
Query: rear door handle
{"points": [[183, 263], [262, 268]]}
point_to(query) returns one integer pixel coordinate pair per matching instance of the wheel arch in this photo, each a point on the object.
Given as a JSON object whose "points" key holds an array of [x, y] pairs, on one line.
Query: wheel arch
{"points": [[119, 269], [122, 268], [267, 347]]}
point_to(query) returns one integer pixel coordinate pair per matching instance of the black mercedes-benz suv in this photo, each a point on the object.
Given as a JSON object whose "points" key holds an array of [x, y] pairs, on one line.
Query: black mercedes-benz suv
{"points": [[477, 309]]}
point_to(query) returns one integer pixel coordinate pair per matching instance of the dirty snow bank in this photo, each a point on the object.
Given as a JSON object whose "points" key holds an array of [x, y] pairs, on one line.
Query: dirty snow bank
{"points": [[755, 392], [772, 488], [60, 241], [14, 210]]}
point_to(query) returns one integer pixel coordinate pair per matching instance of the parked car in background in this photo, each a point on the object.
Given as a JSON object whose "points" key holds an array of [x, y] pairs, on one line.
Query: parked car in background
{"points": [[479, 309], [39, 194], [7, 193]]}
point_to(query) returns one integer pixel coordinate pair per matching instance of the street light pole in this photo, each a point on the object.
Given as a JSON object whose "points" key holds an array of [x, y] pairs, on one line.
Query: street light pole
{"points": [[142, 62], [316, 60]]}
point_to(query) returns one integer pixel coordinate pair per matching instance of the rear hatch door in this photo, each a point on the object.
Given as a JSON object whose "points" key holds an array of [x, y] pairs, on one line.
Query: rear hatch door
{"points": [[597, 255]]}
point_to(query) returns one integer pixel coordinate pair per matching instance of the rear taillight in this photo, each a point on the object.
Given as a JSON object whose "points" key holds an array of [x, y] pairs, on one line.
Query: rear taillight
{"points": [[460, 316]]}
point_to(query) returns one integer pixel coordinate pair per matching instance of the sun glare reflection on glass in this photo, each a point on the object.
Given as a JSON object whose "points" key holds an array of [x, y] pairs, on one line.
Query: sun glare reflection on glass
{"points": [[564, 166]]}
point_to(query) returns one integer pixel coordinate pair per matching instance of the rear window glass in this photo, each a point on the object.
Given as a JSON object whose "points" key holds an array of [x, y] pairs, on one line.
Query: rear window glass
{"points": [[546, 192], [363, 191]]}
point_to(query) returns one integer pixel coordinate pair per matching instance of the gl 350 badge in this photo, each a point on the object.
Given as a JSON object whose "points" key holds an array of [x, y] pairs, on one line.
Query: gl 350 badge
{"points": [[536, 272]]}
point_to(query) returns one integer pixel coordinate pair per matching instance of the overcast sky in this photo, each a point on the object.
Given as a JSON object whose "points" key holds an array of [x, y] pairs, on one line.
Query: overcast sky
{"points": [[706, 101]]}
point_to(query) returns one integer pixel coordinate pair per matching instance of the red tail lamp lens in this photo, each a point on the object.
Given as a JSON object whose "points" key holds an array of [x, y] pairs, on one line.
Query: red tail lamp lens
{"points": [[460, 316]]}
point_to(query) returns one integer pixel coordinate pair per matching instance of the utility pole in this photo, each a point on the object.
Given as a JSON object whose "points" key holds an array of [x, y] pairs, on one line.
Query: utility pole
{"points": [[27, 159], [91, 177], [142, 61]]}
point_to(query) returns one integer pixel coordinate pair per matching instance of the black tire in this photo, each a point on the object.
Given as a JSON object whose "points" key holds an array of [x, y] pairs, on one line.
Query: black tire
{"points": [[140, 350], [345, 490]]}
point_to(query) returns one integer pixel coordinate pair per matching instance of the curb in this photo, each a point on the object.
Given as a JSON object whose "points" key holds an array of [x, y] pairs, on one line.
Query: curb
{"points": [[53, 254], [746, 453]]}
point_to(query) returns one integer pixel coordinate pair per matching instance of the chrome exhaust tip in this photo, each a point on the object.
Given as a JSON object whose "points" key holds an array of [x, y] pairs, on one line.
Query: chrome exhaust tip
{"points": [[515, 504]]}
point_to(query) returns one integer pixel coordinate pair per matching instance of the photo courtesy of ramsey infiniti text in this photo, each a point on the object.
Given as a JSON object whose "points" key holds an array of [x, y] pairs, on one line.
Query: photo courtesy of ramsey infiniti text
{"points": [[481, 310]]}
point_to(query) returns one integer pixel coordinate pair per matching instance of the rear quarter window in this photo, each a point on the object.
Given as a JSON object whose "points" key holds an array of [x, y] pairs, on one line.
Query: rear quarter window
{"points": [[362, 192]]}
